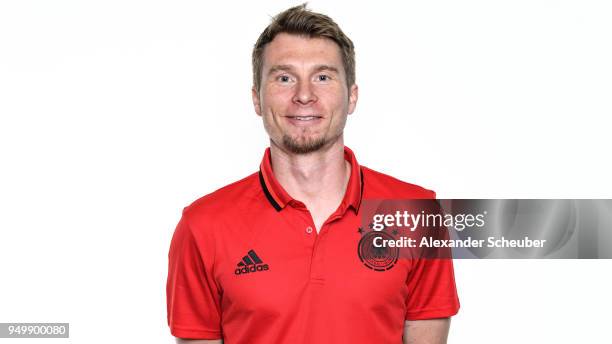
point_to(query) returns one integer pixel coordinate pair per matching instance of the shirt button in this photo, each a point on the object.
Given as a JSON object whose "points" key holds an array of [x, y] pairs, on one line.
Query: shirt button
{"points": [[308, 230]]}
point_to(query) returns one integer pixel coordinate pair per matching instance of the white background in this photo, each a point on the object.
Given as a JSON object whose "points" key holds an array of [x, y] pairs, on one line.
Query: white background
{"points": [[117, 114]]}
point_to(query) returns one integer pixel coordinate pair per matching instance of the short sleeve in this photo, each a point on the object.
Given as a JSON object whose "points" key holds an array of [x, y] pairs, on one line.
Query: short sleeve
{"points": [[431, 290], [431, 286], [193, 299]]}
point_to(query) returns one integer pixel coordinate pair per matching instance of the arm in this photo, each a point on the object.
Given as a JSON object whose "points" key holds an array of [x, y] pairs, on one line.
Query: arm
{"points": [[431, 331], [193, 297], [198, 341]]}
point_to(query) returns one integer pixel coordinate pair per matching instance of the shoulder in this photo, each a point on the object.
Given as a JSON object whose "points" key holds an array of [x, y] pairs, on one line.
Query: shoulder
{"points": [[380, 185], [224, 202]]}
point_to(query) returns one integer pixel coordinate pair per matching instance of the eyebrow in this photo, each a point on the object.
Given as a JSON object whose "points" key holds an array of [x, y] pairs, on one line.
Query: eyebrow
{"points": [[321, 68], [278, 68], [288, 68]]}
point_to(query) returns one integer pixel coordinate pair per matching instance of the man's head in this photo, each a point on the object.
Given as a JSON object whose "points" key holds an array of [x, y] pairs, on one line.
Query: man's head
{"points": [[303, 80]]}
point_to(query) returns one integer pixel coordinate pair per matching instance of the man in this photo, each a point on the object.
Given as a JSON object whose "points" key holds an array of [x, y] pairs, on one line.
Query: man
{"points": [[273, 258]]}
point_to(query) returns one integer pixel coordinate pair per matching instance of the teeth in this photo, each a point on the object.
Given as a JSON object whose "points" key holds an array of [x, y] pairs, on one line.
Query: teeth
{"points": [[305, 118]]}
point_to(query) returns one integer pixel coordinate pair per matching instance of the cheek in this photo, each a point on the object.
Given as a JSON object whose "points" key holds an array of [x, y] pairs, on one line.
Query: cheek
{"points": [[335, 97], [336, 105], [277, 97]]}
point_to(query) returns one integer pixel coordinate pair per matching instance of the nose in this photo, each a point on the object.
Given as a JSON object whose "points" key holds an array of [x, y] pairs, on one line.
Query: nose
{"points": [[304, 93]]}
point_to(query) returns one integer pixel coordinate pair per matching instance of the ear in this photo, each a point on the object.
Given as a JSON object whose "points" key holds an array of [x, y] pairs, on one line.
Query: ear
{"points": [[256, 103], [353, 95]]}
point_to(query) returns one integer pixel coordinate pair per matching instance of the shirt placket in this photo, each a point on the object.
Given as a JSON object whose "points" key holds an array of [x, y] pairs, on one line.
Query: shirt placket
{"points": [[316, 242]]}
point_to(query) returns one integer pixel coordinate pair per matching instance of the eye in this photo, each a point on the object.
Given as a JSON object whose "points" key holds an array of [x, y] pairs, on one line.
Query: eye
{"points": [[284, 78], [323, 77]]}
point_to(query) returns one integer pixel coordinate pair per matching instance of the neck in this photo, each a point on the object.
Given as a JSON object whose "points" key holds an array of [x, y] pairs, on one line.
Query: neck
{"points": [[315, 178]]}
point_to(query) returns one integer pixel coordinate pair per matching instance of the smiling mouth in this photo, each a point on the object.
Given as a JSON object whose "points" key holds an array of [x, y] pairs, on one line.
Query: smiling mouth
{"points": [[305, 118]]}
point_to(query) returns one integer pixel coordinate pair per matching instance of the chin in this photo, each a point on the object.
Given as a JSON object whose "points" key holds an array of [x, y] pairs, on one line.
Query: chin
{"points": [[303, 145]]}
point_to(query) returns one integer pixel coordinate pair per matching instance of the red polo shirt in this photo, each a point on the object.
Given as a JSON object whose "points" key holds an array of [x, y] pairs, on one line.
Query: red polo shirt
{"points": [[247, 265]]}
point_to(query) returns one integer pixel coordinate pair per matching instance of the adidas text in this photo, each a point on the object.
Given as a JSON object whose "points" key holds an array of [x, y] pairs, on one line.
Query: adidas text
{"points": [[251, 268]]}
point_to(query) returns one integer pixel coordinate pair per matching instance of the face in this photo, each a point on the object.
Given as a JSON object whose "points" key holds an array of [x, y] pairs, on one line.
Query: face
{"points": [[303, 98]]}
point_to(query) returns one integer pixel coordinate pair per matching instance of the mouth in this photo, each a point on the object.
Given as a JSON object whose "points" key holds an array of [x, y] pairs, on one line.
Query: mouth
{"points": [[305, 118]]}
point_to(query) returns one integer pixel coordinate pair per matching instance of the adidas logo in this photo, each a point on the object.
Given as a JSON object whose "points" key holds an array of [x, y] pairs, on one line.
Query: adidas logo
{"points": [[250, 263]]}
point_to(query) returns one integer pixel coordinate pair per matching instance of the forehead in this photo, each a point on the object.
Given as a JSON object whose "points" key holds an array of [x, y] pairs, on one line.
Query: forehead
{"points": [[288, 49]]}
